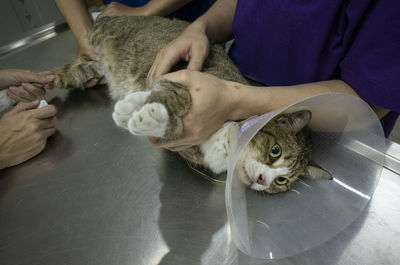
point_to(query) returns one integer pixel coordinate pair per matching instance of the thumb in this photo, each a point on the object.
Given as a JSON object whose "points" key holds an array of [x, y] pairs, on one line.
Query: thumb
{"points": [[195, 63], [177, 77], [22, 106], [196, 59]]}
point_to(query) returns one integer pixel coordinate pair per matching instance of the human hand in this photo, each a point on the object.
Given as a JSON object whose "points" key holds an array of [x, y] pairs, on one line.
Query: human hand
{"points": [[212, 104], [191, 46], [85, 49], [116, 9], [24, 131], [24, 85]]}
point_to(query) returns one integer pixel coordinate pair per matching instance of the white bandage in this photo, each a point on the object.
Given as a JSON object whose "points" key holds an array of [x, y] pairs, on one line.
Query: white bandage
{"points": [[43, 103]]}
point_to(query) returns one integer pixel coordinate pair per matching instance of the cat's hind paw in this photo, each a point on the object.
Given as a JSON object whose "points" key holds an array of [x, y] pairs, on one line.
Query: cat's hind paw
{"points": [[150, 120], [124, 109]]}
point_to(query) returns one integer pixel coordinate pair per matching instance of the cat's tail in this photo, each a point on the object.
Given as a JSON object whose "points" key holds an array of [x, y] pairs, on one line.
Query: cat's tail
{"points": [[76, 74]]}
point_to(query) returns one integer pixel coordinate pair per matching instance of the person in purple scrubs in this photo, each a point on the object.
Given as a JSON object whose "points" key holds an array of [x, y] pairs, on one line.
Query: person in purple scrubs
{"points": [[294, 49]]}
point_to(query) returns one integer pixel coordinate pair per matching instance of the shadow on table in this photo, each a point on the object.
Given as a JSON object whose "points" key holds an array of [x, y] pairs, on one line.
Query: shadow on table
{"points": [[329, 252], [192, 211]]}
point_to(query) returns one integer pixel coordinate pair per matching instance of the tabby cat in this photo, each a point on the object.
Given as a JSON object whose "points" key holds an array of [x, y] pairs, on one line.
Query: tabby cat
{"points": [[127, 46]]}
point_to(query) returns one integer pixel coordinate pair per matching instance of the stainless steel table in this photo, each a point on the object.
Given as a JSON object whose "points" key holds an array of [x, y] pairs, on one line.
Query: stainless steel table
{"points": [[98, 195]]}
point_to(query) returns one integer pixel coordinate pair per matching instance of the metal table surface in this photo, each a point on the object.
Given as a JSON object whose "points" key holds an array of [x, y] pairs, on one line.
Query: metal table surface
{"points": [[98, 195]]}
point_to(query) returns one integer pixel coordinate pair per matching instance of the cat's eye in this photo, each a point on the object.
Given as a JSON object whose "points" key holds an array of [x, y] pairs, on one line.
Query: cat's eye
{"points": [[281, 181], [275, 151]]}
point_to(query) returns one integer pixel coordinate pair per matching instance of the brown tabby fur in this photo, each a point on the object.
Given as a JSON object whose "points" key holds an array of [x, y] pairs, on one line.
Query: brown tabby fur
{"points": [[127, 47]]}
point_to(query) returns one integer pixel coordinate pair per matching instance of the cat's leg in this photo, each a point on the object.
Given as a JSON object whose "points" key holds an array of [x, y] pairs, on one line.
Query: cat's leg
{"points": [[76, 74], [157, 114]]}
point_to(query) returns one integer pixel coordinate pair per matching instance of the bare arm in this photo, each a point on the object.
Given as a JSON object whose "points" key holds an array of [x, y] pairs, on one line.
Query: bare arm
{"points": [[80, 21], [152, 8], [250, 100], [163, 7], [215, 101], [253, 100], [218, 20]]}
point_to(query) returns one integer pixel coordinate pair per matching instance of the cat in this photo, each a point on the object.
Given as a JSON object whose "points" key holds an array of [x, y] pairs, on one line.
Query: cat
{"points": [[127, 46]]}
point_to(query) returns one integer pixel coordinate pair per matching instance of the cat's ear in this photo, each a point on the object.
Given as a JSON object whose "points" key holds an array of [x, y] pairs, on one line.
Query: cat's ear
{"points": [[295, 121], [316, 172]]}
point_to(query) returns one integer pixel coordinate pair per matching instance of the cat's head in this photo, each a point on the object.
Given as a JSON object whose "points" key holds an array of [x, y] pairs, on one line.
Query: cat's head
{"points": [[279, 154]]}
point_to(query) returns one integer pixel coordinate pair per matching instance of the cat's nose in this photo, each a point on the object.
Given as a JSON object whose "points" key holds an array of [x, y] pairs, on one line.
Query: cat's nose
{"points": [[261, 179]]}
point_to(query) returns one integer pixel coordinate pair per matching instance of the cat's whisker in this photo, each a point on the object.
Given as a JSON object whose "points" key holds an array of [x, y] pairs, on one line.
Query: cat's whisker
{"points": [[296, 191], [263, 224], [304, 184]]}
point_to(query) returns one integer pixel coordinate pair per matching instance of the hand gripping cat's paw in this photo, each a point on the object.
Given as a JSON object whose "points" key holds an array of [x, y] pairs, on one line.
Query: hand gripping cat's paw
{"points": [[124, 108], [150, 120]]}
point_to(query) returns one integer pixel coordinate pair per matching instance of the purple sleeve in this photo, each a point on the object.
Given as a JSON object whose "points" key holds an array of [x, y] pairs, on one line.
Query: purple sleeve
{"points": [[372, 64]]}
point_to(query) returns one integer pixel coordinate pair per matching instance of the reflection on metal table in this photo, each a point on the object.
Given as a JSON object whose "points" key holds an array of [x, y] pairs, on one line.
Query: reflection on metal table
{"points": [[98, 195]]}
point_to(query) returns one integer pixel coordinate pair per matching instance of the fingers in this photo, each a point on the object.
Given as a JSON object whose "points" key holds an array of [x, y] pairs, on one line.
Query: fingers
{"points": [[198, 56], [102, 81], [95, 82], [115, 9], [34, 90], [48, 132], [105, 13], [25, 92], [28, 76], [84, 48], [163, 63], [92, 82], [168, 57], [180, 76], [174, 146], [48, 123], [15, 96], [178, 148], [92, 54], [109, 11], [44, 113], [23, 106]]}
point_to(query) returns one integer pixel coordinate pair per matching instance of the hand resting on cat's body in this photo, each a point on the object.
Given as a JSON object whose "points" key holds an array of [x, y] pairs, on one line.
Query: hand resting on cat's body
{"points": [[127, 47]]}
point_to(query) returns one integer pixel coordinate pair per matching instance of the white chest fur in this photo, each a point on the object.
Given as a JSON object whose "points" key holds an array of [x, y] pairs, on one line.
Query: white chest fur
{"points": [[215, 148]]}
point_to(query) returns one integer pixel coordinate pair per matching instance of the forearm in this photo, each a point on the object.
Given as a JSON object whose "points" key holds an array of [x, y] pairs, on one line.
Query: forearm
{"points": [[250, 100], [77, 16], [162, 7], [218, 20]]}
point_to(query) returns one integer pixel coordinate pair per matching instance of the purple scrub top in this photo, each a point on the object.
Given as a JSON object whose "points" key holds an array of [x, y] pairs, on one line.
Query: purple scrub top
{"points": [[289, 42]]}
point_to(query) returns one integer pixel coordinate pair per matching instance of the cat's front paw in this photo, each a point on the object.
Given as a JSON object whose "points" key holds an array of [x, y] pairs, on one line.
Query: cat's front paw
{"points": [[124, 109], [150, 120]]}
